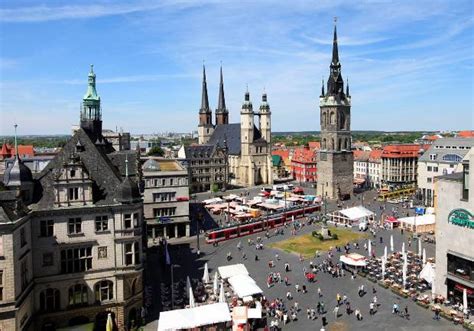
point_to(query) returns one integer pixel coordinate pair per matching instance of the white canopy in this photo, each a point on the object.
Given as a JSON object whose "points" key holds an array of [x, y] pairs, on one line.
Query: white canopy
{"points": [[353, 259], [228, 271], [428, 272], [213, 200], [194, 317], [255, 312], [356, 213], [420, 220], [244, 285]]}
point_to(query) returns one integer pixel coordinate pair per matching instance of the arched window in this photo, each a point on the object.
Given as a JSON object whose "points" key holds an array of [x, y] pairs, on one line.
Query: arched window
{"points": [[332, 144], [333, 118], [341, 121], [49, 300], [78, 295], [339, 144], [324, 119], [324, 143], [348, 144], [452, 158], [104, 290]]}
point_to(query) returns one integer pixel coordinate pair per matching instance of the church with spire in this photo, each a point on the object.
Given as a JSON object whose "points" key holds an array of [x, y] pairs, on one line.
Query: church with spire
{"points": [[72, 236], [335, 159], [244, 147]]}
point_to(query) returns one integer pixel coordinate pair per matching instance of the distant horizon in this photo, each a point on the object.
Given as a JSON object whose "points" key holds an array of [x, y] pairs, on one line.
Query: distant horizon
{"points": [[409, 63]]}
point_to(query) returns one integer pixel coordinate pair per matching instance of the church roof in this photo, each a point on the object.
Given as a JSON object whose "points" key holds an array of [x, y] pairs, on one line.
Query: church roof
{"points": [[231, 134]]}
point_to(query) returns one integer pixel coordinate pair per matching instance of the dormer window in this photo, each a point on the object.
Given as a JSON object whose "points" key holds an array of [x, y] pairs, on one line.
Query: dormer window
{"points": [[72, 173], [73, 193]]}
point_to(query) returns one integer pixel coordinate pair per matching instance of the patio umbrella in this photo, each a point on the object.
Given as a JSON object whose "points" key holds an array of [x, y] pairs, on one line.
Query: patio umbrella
{"points": [[419, 247], [188, 284], [403, 248], [109, 326], [222, 294], [385, 253], [192, 303], [384, 260], [424, 256], [205, 277], [215, 286], [464, 299], [370, 248], [391, 242]]}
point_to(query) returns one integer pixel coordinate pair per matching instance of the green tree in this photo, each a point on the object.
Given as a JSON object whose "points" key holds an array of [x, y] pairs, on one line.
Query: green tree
{"points": [[156, 151], [214, 188]]}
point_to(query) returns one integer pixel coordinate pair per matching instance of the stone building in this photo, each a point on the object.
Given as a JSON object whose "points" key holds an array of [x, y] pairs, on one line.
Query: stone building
{"points": [[165, 198], [399, 165], [248, 148], [443, 157], [455, 233], [335, 159], [207, 166], [72, 236]]}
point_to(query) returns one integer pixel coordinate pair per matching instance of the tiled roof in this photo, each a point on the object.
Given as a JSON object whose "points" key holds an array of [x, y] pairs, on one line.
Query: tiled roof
{"points": [[375, 155], [199, 151], [361, 155], [448, 150], [304, 155], [314, 145], [465, 133], [8, 150], [401, 150]]}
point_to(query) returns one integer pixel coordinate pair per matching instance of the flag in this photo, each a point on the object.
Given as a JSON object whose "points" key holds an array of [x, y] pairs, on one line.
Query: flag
{"points": [[167, 254]]}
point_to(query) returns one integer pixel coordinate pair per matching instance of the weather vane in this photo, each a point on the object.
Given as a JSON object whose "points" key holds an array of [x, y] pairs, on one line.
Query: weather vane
{"points": [[335, 19]]}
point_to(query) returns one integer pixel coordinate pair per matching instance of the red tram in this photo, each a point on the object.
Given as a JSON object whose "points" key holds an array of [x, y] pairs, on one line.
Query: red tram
{"points": [[260, 225]]}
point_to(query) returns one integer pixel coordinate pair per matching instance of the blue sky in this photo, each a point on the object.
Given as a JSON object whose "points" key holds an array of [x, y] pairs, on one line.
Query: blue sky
{"points": [[409, 63]]}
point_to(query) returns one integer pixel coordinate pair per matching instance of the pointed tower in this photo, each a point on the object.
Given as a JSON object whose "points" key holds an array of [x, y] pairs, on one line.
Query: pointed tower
{"points": [[335, 160], [265, 119], [246, 140], [222, 114], [91, 113], [205, 127]]}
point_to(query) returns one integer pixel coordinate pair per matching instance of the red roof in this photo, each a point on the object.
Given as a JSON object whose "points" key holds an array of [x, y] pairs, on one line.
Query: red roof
{"points": [[283, 153], [304, 155], [375, 155], [9, 150], [314, 145], [465, 134], [402, 150]]}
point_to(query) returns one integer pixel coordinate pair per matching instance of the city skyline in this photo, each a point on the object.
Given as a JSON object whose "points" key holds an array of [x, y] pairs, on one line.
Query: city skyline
{"points": [[402, 62]]}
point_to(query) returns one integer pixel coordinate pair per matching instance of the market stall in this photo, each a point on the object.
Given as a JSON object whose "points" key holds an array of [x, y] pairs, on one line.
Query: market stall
{"points": [[197, 317], [244, 285], [353, 260], [352, 216], [392, 222], [419, 224], [232, 270]]}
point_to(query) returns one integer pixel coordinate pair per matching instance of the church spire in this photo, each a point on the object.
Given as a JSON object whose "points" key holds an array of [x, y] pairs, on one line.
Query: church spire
{"points": [[322, 87], [17, 155], [91, 93], [347, 87], [204, 99], [91, 114], [335, 51], [221, 102]]}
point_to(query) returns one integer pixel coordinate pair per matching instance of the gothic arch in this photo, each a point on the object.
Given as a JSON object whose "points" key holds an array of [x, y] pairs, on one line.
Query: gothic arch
{"points": [[333, 118], [348, 144], [339, 144], [332, 143], [324, 120], [342, 121], [324, 143]]}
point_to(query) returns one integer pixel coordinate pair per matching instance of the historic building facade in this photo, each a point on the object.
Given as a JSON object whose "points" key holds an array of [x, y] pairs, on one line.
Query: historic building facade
{"points": [[335, 159], [165, 198], [399, 165], [247, 148], [72, 236]]}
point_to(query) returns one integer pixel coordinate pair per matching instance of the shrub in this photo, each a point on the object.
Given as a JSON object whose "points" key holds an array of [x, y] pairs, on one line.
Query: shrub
{"points": [[320, 237], [334, 236], [314, 233]]}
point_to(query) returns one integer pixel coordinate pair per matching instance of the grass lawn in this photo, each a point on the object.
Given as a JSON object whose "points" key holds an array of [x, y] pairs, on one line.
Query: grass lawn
{"points": [[307, 244]]}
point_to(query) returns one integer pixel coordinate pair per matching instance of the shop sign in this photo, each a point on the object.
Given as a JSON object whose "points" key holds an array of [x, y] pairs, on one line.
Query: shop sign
{"points": [[461, 217]]}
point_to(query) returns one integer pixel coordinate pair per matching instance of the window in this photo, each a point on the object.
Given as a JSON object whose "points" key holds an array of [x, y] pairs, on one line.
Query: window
{"points": [[24, 274], [429, 168], [132, 253], [78, 295], [46, 228], [76, 259], [104, 291], [136, 220], [127, 221], [429, 180], [452, 158], [432, 157], [102, 252], [465, 181], [74, 225], [22, 237], [48, 259], [72, 173], [1, 285], [73, 193], [101, 223], [435, 169], [49, 300], [164, 211], [171, 182]]}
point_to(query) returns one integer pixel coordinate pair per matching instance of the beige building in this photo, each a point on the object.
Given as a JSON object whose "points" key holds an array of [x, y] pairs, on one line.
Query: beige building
{"points": [[248, 148], [72, 237], [442, 158], [454, 203], [399, 165], [165, 198]]}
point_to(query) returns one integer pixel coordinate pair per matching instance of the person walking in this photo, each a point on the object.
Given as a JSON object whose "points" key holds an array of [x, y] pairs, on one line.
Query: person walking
{"points": [[336, 311], [371, 308], [319, 292], [407, 316]]}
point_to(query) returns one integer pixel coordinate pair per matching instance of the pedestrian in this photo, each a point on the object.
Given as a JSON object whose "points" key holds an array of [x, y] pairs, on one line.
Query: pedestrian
{"points": [[285, 318], [375, 300], [277, 257], [436, 315], [287, 281], [319, 292], [256, 257], [296, 306], [297, 287], [338, 299], [336, 311], [313, 314], [304, 289], [371, 308], [406, 313], [358, 315], [308, 313], [288, 295], [324, 320]]}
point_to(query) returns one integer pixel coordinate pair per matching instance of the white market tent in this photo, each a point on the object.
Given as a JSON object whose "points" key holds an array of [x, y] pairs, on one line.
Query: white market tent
{"points": [[421, 223], [353, 259], [228, 271], [428, 273], [194, 317], [352, 215], [212, 201], [244, 285]]}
